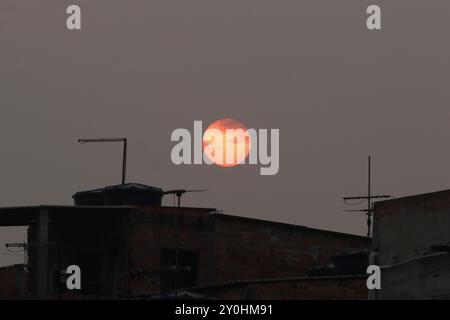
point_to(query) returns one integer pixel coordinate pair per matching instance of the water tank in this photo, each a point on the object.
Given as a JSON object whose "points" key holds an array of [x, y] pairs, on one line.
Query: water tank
{"points": [[89, 198], [351, 263], [119, 195]]}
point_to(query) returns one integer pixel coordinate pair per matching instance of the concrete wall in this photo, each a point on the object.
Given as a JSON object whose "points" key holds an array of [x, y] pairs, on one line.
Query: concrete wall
{"points": [[96, 242], [404, 231]]}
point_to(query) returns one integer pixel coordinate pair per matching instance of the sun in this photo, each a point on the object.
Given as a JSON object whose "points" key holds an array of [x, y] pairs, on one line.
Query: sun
{"points": [[226, 142]]}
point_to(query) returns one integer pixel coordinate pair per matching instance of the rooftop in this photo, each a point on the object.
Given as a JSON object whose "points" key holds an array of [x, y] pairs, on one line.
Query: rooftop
{"points": [[435, 198], [25, 215]]}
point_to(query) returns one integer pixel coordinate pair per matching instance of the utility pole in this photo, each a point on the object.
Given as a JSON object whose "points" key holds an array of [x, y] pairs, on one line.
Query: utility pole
{"points": [[369, 197], [179, 193], [124, 156]]}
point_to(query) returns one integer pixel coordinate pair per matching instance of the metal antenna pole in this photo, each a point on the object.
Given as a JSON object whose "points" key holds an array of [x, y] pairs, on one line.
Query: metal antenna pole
{"points": [[368, 201], [369, 198], [124, 157], [178, 193], [177, 246], [124, 160]]}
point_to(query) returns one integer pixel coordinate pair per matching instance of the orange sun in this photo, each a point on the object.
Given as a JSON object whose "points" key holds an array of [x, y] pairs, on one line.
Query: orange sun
{"points": [[226, 143]]}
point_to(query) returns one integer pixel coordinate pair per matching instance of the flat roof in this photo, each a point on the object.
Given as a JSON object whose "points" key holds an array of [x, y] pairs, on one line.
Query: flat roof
{"points": [[293, 226], [26, 215], [413, 198]]}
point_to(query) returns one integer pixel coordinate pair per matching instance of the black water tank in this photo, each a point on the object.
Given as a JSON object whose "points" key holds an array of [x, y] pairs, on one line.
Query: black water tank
{"points": [[132, 194], [89, 198], [119, 195], [351, 263]]}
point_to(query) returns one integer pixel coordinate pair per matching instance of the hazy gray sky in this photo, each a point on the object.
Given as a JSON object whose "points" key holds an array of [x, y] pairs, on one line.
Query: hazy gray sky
{"points": [[141, 69]]}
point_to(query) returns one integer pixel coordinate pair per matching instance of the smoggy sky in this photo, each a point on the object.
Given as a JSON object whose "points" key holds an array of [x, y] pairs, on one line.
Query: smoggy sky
{"points": [[140, 69]]}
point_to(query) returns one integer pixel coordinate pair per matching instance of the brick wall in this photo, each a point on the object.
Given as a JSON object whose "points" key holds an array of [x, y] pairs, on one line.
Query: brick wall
{"points": [[154, 229], [13, 282], [253, 249], [229, 248]]}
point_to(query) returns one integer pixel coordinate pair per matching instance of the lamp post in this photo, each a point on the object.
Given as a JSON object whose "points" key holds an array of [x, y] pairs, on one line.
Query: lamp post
{"points": [[124, 159]]}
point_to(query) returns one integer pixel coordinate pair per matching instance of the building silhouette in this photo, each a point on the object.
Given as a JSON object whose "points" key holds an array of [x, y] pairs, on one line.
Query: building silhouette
{"points": [[129, 246]]}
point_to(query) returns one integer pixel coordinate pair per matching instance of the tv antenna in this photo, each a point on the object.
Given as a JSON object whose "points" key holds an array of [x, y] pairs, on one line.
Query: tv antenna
{"points": [[369, 197], [179, 193], [124, 157]]}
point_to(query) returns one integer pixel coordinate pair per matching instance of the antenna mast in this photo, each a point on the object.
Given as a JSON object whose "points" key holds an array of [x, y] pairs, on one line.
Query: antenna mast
{"points": [[369, 197], [124, 154]]}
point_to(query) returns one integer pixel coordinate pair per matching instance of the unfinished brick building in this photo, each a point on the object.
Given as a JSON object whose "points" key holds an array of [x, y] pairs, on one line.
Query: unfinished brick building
{"points": [[13, 282], [128, 245]]}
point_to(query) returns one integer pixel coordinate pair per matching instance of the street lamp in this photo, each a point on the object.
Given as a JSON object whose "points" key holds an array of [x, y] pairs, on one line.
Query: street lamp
{"points": [[124, 159]]}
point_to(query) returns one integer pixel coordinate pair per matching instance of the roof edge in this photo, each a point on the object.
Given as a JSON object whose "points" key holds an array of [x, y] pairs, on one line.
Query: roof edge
{"points": [[295, 226]]}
